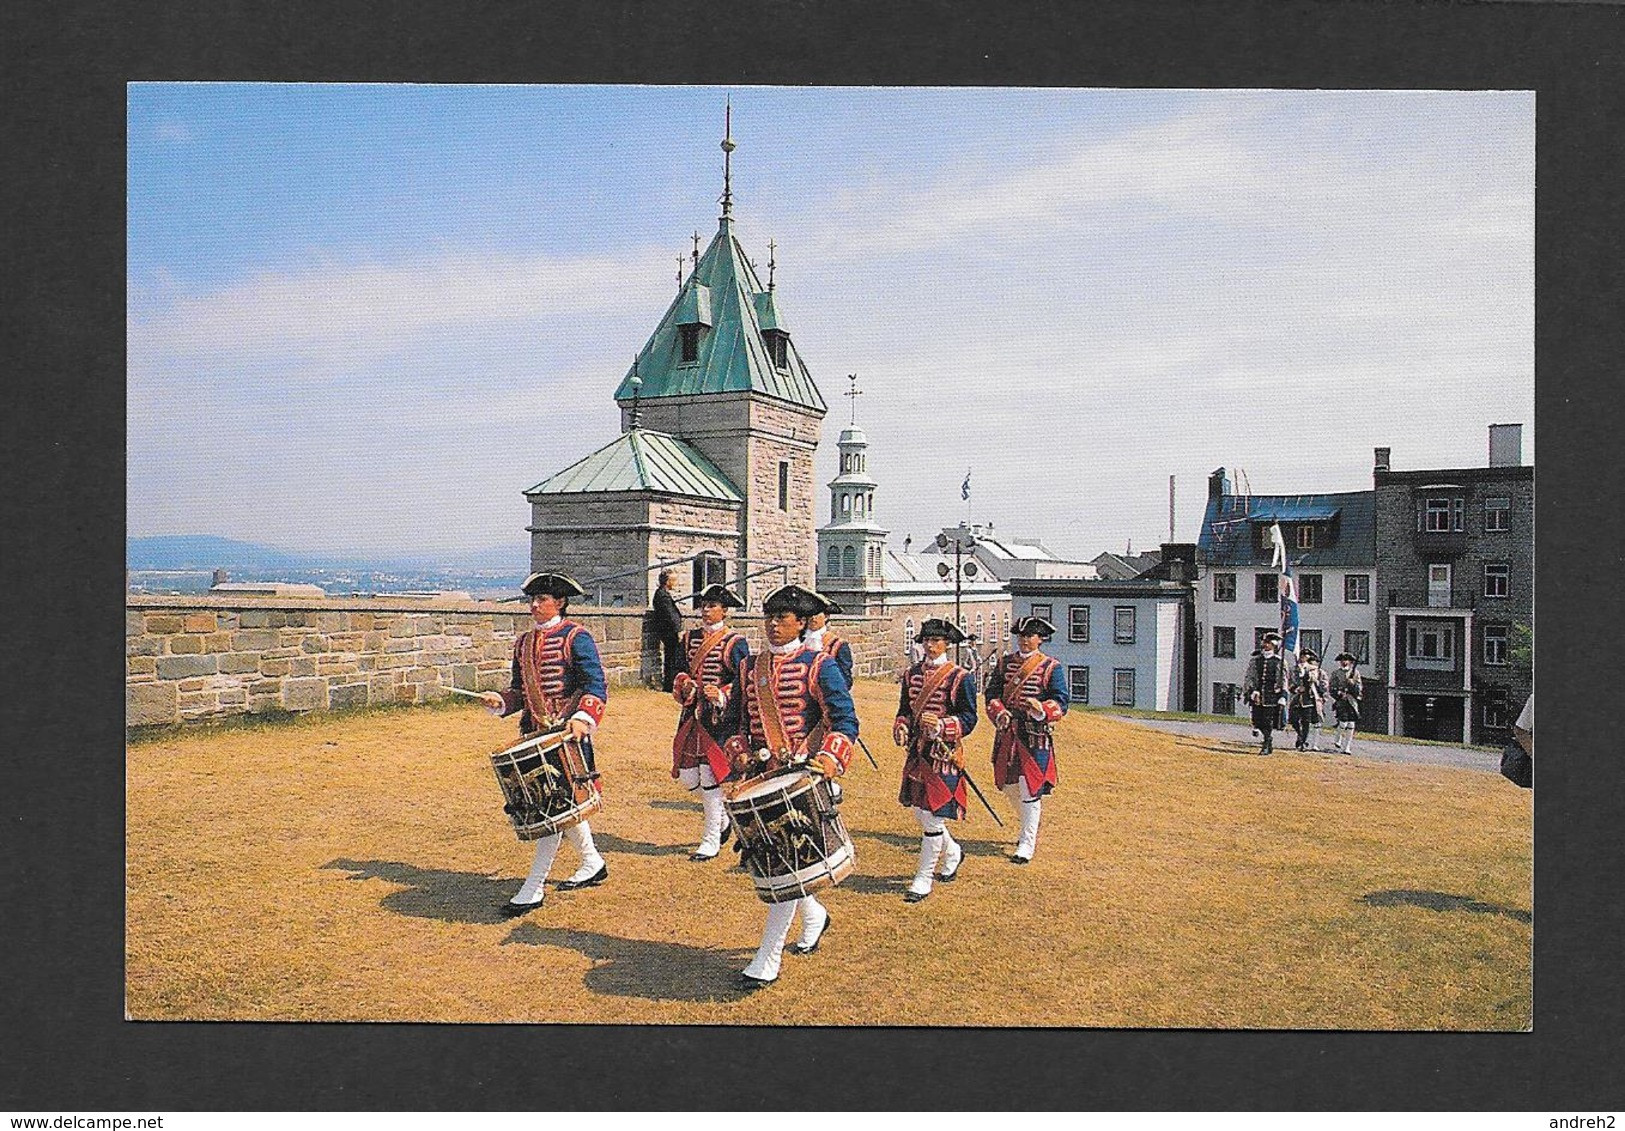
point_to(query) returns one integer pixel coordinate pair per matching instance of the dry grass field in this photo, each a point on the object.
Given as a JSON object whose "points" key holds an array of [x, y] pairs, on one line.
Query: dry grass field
{"points": [[350, 868]]}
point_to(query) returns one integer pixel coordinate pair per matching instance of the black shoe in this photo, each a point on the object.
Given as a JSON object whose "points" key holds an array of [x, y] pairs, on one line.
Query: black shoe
{"points": [[914, 896], [702, 857], [822, 931], [593, 880], [1014, 859], [511, 910], [950, 877], [752, 982]]}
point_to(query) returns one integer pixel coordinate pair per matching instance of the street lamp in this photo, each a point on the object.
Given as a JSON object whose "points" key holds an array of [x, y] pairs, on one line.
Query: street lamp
{"points": [[961, 570]]}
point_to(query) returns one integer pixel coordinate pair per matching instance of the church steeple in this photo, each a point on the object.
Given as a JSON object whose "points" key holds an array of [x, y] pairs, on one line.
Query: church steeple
{"points": [[852, 545]]}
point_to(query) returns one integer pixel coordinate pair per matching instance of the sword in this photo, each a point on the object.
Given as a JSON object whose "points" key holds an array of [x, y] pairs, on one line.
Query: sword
{"points": [[974, 788], [864, 746]]}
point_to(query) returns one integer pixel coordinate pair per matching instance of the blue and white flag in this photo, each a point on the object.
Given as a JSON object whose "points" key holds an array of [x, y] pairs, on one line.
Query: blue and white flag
{"points": [[964, 488], [1289, 592]]}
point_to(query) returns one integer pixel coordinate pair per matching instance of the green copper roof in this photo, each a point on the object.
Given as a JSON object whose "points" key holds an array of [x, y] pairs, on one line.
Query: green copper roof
{"points": [[732, 356], [639, 460]]}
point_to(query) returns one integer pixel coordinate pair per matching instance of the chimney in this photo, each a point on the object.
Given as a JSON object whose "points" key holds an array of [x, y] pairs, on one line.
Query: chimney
{"points": [[220, 577], [1217, 483], [1506, 445], [1382, 462]]}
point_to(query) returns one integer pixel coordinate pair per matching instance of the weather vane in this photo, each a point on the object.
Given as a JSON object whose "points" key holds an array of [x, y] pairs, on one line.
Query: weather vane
{"points": [[728, 148], [853, 392], [771, 248]]}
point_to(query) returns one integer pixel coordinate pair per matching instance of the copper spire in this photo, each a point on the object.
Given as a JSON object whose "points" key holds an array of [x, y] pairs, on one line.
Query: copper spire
{"points": [[771, 248], [728, 147]]}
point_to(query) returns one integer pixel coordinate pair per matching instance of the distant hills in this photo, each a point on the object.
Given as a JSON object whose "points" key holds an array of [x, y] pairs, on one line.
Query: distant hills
{"points": [[209, 551]]}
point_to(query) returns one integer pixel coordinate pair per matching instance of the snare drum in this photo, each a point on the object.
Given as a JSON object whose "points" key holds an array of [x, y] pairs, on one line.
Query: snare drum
{"points": [[547, 785], [792, 839]]}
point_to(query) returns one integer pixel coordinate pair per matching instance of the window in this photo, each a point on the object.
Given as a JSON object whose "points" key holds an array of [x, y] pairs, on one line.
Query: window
{"points": [[846, 462], [1266, 589], [846, 505], [1357, 588], [1224, 698], [1495, 514], [778, 347], [1258, 634], [1358, 645], [1077, 628], [849, 561], [832, 564], [1306, 537], [1309, 640], [1497, 579], [1224, 642], [1078, 684], [1224, 587], [709, 569], [1044, 612], [1430, 644], [1495, 644], [1264, 539], [1122, 687], [1310, 588], [690, 342], [858, 505], [784, 486], [978, 626], [1438, 515], [1495, 708], [908, 637], [1123, 624]]}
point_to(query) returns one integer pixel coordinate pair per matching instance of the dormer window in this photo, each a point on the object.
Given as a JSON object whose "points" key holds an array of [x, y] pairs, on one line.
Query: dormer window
{"points": [[689, 342], [778, 347], [1306, 537]]}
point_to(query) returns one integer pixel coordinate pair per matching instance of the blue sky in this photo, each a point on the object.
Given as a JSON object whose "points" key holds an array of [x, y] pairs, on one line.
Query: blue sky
{"points": [[367, 318]]}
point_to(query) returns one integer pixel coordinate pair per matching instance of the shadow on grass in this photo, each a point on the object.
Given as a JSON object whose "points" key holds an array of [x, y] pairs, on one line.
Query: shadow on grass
{"points": [[451, 897], [1440, 901], [678, 806], [609, 842], [654, 971], [1223, 746]]}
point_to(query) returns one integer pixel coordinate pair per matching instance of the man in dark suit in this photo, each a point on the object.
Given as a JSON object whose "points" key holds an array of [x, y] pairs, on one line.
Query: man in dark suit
{"points": [[668, 626]]}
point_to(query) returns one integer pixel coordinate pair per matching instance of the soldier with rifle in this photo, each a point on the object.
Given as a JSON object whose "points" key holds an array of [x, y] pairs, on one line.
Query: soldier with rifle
{"points": [[712, 655], [935, 711]]}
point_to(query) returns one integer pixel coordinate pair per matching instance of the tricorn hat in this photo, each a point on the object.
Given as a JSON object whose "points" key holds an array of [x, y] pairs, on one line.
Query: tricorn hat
{"points": [[1271, 638], [830, 607], [941, 629], [1349, 656], [1028, 626], [792, 599], [1308, 654], [718, 594], [551, 585]]}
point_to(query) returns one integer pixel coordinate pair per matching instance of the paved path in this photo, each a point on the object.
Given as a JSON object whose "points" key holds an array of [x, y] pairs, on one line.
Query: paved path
{"points": [[1238, 738]]}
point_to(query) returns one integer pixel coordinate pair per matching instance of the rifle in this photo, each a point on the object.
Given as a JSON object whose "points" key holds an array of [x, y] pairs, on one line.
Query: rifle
{"points": [[864, 746]]}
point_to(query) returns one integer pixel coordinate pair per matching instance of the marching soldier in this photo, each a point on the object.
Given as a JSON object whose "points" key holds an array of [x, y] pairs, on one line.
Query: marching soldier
{"points": [[557, 678], [776, 702], [821, 638], [1308, 693], [712, 657], [1347, 688], [1026, 697], [936, 710], [1265, 688]]}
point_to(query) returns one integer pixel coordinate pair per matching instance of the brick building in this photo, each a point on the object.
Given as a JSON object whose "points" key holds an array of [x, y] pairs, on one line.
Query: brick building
{"points": [[713, 469], [1457, 592]]}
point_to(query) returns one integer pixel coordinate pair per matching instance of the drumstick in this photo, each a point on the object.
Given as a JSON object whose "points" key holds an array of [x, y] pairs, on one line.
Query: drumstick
{"points": [[471, 694]]}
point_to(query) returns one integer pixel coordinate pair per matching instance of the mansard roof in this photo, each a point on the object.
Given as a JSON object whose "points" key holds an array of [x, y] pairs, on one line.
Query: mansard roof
{"points": [[641, 460], [724, 294]]}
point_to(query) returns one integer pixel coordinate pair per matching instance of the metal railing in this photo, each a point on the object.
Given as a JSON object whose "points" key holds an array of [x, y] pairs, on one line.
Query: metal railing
{"points": [[768, 566]]}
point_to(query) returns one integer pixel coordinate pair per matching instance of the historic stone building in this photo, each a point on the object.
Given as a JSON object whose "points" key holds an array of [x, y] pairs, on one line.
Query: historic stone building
{"points": [[713, 470]]}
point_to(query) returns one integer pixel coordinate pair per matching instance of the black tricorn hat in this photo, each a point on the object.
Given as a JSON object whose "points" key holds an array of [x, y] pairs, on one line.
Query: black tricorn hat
{"points": [[1349, 656], [718, 594], [942, 629], [1308, 654], [1027, 626], [551, 585], [792, 599], [1270, 638], [830, 607]]}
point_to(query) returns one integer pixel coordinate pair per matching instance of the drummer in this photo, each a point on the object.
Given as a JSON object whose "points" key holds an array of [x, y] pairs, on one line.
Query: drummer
{"points": [[558, 679], [936, 710], [778, 697], [712, 656]]}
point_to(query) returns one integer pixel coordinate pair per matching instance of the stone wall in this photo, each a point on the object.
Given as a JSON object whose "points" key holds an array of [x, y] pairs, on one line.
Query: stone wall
{"points": [[205, 657]]}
